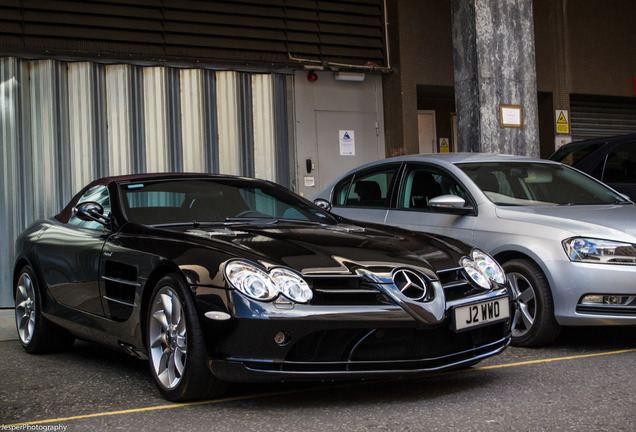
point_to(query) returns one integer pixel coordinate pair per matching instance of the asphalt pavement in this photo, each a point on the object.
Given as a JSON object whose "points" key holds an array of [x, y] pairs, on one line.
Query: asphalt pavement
{"points": [[583, 382]]}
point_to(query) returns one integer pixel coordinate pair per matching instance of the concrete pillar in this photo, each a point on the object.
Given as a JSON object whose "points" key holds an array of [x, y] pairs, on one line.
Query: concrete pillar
{"points": [[494, 61]]}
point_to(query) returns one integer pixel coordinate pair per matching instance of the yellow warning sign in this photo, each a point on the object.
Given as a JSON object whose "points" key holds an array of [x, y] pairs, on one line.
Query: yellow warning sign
{"points": [[443, 145], [562, 125]]}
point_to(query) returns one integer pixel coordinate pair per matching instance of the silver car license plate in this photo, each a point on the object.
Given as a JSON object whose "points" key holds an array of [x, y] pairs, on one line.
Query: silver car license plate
{"points": [[482, 313]]}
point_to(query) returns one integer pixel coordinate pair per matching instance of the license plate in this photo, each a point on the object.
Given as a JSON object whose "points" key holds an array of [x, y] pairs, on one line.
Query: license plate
{"points": [[481, 313]]}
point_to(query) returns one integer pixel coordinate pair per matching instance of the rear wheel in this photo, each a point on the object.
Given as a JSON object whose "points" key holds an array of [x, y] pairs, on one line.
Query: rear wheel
{"points": [[177, 355], [36, 333], [533, 323]]}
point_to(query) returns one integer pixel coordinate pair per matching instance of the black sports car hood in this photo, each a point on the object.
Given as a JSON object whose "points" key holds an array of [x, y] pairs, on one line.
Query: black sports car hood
{"points": [[329, 249]]}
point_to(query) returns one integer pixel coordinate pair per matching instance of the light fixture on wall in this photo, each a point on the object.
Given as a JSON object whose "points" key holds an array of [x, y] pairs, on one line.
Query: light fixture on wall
{"points": [[349, 76], [312, 76]]}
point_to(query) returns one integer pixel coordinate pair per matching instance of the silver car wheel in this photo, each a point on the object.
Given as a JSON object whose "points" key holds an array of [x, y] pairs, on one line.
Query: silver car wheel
{"points": [[25, 308], [525, 298], [167, 336]]}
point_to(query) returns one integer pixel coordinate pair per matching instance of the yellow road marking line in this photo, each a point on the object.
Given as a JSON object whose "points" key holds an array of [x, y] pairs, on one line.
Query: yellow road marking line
{"points": [[305, 390], [575, 357]]}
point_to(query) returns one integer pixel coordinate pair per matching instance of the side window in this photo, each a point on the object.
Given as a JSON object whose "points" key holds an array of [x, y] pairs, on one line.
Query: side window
{"points": [[620, 166], [370, 188], [98, 194], [421, 184], [341, 191]]}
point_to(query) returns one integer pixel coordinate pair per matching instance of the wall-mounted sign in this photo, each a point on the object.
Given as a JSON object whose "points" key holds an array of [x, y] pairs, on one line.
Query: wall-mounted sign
{"points": [[347, 143], [443, 145], [510, 116], [562, 125], [561, 140]]}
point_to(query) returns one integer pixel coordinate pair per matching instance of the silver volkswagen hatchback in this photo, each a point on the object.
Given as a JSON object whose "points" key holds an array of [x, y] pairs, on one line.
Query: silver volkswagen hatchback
{"points": [[566, 240]]}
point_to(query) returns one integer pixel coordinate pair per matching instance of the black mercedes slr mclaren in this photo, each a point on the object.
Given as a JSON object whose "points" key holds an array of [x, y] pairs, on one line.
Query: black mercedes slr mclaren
{"points": [[218, 279]]}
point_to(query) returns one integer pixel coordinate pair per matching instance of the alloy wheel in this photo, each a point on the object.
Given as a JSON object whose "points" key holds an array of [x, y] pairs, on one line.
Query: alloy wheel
{"points": [[168, 338], [525, 298], [25, 312]]}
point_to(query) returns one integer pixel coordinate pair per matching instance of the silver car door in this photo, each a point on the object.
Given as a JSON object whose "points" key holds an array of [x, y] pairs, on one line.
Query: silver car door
{"points": [[419, 184]]}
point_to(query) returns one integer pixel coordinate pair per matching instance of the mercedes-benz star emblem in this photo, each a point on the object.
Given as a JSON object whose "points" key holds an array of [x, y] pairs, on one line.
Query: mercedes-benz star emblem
{"points": [[410, 284]]}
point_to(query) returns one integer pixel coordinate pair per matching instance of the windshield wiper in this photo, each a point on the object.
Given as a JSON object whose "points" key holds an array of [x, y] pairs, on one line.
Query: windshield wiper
{"points": [[190, 223], [252, 220], [268, 221]]}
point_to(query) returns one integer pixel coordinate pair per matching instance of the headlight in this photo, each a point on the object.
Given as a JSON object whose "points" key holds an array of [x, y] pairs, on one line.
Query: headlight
{"points": [[482, 269], [291, 285], [256, 283], [250, 280], [488, 265], [475, 273], [598, 251]]}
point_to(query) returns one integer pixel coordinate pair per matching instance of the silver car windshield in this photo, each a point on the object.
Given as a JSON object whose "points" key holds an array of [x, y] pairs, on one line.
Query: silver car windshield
{"points": [[535, 183]]}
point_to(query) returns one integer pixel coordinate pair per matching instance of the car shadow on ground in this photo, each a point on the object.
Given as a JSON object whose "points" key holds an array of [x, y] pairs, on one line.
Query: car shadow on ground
{"points": [[595, 338]]}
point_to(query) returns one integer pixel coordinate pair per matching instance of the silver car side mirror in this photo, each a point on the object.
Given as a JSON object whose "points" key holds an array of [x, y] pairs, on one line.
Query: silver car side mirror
{"points": [[450, 204]]}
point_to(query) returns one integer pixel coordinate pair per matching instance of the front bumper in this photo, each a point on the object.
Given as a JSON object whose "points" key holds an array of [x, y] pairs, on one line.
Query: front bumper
{"points": [[281, 342], [574, 281], [250, 370]]}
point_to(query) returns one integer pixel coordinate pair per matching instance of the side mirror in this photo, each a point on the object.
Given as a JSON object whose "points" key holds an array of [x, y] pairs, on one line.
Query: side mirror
{"points": [[323, 204], [91, 211], [450, 204]]}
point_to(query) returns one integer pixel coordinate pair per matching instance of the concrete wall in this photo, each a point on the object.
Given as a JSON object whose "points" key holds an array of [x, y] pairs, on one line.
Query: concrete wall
{"points": [[586, 46]]}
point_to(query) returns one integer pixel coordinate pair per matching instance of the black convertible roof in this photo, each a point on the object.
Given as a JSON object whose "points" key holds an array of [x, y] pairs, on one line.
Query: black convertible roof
{"points": [[66, 213]]}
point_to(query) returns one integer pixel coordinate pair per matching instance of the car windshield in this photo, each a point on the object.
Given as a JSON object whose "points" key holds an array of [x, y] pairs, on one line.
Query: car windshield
{"points": [[215, 201], [536, 183]]}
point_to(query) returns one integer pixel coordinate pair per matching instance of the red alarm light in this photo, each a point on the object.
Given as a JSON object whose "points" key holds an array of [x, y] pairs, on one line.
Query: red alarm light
{"points": [[312, 76]]}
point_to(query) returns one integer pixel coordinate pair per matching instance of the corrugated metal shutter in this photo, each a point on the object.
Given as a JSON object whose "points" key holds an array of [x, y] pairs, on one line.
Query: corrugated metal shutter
{"points": [[63, 124], [595, 116], [239, 32]]}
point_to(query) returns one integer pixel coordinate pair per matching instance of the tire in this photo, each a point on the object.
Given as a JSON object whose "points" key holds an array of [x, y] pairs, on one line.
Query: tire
{"points": [[37, 335], [533, 323], [176, 347]]}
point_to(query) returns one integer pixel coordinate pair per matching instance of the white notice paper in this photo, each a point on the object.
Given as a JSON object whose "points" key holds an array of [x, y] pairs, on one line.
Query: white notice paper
{"points": [[347, 143]]}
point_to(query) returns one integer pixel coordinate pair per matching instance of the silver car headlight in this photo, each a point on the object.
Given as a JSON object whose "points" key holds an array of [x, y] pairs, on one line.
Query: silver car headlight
{"points": [[488, 265], [589, 250], [258, 284]]}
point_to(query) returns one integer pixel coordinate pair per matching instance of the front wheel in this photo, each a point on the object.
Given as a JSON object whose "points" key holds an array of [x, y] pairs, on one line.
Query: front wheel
{"points": [[533, 323], [177, 355]]}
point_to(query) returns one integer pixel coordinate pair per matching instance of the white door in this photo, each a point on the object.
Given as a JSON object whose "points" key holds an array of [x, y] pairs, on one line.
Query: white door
{"points": [[338, 128], [334, 148], [426, 131]]}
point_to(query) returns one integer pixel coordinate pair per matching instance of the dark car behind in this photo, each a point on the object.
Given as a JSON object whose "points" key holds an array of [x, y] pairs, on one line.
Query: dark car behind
{"points": [[611, 160]]}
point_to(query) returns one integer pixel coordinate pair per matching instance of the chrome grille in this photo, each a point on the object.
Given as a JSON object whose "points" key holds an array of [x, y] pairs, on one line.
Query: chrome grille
{"points": [[345, 290], [357, 290]]}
